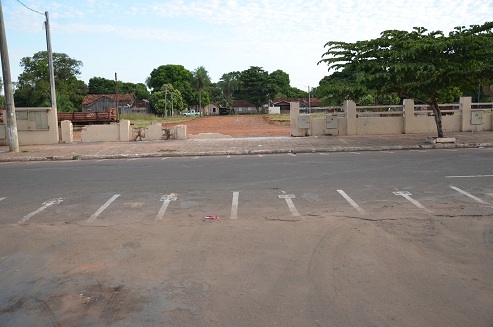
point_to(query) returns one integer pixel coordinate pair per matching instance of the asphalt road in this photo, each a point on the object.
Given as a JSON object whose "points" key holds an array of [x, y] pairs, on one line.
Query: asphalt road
{"points": [[333, 239]]}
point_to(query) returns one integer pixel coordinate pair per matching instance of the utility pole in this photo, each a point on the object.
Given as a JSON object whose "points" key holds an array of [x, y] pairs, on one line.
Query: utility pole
{"points": [[50, 64], [9, 94], [116, 90]]}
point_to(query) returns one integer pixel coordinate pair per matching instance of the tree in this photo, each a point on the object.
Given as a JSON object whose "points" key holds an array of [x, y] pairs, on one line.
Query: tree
{"points": [[255, 86], [200, 81], [176, 75], [166, 100], [101, 85], [229, 83], [33, 87], [421, 65]]}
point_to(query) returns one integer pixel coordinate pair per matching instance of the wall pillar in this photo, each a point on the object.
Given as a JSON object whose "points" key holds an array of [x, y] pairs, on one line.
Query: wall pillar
{"points": [[350, 109], [125, 130], [294, 113], [465, 104], [67, 131], [408, 116]]}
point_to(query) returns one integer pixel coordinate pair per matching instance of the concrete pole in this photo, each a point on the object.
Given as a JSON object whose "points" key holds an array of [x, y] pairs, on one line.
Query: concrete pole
{"points": [[9, 94]]}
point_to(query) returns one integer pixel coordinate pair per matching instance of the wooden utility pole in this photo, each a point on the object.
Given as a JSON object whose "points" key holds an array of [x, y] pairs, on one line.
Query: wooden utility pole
{"points": [[9, 94]]}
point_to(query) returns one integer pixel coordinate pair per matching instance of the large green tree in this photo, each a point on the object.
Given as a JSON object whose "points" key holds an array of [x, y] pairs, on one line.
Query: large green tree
{"points": [[175, 75], [256, 86], [33, 87], [419, 64]]}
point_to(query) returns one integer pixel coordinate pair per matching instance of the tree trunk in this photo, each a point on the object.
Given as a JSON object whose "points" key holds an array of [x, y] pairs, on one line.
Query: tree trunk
{"points": [[438, 117]]}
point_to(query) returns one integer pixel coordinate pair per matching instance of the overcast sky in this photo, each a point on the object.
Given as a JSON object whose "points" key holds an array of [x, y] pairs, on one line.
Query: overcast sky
{"points": [[131, 38]]}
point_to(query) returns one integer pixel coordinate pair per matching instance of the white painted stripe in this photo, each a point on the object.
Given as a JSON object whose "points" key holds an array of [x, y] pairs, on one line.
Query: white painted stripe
{"points": [[103, 207], [351, 201], [228, 156], [260, 155], [234, 205], [45, 205], [162, 211], [289, 200], [469, 195], [469, 176], [165, 158], [1, 199], [355, 152], [101, 160], [292, 154], [408, 197]]}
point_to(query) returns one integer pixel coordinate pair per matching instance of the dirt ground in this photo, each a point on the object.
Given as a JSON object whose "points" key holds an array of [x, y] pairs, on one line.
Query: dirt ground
{"points": [[236, 126], [248, 125]]}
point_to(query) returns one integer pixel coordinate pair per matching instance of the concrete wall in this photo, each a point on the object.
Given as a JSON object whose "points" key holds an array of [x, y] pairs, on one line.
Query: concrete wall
{"points": [[34, 126], [397, 120]]}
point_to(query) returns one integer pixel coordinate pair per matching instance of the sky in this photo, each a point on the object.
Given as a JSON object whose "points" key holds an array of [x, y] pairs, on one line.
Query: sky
{"points": [[131, 38]]}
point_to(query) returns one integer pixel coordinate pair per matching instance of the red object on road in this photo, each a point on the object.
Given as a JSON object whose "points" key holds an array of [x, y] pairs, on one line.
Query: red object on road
{"points": [[211, 217]]}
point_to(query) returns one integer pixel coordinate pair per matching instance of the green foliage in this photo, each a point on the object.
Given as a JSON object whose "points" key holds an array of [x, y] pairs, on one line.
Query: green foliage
{"points": [[101, 85], [167, 99], [201, 82], [229, 83], [256, 86], [175, 75], [33, 87], [419, 64]]}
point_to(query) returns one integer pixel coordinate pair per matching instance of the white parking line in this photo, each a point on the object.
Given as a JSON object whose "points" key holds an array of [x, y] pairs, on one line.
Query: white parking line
{"points": [[289, 201], [234, 205], [408, 197], [351, 202], [469, 176], [1, 199], [103, 207], [45, 205], [166, 200], [292, 154], [469, 195]]}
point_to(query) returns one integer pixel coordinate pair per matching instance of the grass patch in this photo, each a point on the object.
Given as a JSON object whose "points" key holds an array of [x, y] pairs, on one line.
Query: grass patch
{"points": [[144, 120], [283, 119], [75, 156]]}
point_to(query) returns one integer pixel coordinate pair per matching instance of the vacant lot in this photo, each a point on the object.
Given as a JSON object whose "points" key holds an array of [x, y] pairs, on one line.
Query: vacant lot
{"points": [[251, 125]]}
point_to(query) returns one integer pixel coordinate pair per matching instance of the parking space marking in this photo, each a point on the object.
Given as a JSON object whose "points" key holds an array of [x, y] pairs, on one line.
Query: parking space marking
{"points": [[166, 200], [1, 199], [234, 205], [103, 207], [292, 154], [351, 201], [45, 205], [165, 158], [407, 196], [469, 176], [289, 201], [469, 195]]}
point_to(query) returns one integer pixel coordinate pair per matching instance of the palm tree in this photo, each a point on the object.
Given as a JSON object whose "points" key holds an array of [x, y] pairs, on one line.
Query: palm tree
{"points": [[229, 84], [200, 81]]}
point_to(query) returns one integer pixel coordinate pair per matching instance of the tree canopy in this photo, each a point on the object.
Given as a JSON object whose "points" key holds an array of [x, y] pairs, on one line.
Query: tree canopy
{"points": [[33, 87], [201, 82], [101, 85], [175, 75], [421, 65]]}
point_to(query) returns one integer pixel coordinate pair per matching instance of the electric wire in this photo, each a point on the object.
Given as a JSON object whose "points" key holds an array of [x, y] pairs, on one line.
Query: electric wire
{"points": [[30, 8]]}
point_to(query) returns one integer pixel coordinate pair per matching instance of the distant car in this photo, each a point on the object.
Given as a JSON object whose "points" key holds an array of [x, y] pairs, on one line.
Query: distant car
{"points": [[190, 113]]}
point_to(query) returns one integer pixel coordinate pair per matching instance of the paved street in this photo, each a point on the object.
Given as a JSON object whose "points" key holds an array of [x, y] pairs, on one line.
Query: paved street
{"points": [[313, 239]]}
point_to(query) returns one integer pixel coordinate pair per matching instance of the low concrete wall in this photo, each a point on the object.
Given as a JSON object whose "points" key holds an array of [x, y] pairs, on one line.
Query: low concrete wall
{"points": [[34, 126], [405, 119]]}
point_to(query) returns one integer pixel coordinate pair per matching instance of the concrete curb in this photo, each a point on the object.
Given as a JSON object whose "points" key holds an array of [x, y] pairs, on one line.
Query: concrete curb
{"points": [[76, 156]]}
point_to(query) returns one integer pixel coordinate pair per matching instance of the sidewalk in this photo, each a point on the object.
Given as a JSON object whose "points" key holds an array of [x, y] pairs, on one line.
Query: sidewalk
{"points": [[239, 146]]}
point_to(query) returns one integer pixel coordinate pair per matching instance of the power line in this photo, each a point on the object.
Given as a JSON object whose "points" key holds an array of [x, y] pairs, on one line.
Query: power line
{"points": [[30, 8]]}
